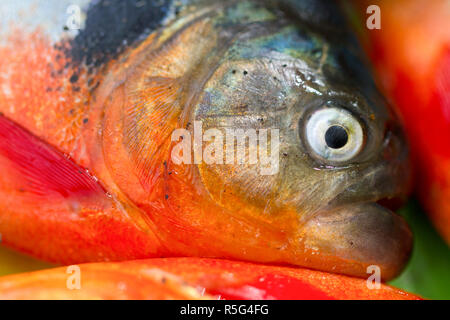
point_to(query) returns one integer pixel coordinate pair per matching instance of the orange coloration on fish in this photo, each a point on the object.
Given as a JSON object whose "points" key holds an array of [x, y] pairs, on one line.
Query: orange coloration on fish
{"points": [[65, 201], [191, 278], [411, 55], [86, 153]]}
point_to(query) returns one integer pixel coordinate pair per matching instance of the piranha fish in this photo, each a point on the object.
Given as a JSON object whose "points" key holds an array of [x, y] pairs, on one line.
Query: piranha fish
{"points": [[418, 82], [89, 171], [190, 279]]}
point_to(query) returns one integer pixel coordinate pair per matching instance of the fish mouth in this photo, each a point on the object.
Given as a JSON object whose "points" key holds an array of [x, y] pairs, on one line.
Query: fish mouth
{"points": [[354, 237]]}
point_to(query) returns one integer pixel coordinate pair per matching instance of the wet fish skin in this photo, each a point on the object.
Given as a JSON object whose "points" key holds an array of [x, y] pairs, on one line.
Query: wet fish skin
{"points": [[312, 213]]}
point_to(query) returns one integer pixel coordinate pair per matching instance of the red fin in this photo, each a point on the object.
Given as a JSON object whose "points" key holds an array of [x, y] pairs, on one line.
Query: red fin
{"points": [[52, 208], [45, 169]]}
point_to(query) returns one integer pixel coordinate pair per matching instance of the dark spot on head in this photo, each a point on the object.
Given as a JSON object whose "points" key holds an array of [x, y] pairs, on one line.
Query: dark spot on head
{"points": [[85, 120], [112, 26], [166, 196], [74, 78], [319, 15], [316, 52], [177, 11], [245, 73], [96, 85]]}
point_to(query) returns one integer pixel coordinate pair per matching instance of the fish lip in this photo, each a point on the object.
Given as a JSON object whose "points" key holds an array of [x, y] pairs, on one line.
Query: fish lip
{"points": [[357, 236]]}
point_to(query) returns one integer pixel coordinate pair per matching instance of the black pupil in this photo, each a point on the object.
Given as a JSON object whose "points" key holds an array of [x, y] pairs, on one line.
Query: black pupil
{"points": [[336, 137]]}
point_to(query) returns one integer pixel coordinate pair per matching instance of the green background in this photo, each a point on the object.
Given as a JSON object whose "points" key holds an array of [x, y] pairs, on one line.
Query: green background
{"points": [[428, 271]]}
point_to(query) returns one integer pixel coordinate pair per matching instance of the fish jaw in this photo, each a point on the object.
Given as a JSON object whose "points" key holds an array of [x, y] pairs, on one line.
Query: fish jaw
{"points": [[352, 238]]}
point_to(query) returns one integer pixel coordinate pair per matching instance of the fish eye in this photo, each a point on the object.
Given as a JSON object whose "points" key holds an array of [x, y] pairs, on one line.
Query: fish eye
{"points": [[334, 134]]}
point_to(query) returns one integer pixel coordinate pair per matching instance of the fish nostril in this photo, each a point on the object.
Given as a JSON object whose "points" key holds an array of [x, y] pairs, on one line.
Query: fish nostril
{"points": [[392, 128]]}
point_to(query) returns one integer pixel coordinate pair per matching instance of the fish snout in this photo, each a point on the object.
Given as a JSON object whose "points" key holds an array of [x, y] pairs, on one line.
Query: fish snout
{"points": [[359, 238]]}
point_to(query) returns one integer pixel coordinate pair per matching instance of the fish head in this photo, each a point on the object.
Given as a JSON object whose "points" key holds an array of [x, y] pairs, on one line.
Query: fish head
{"points": [[253, 135], [247, 130]]}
